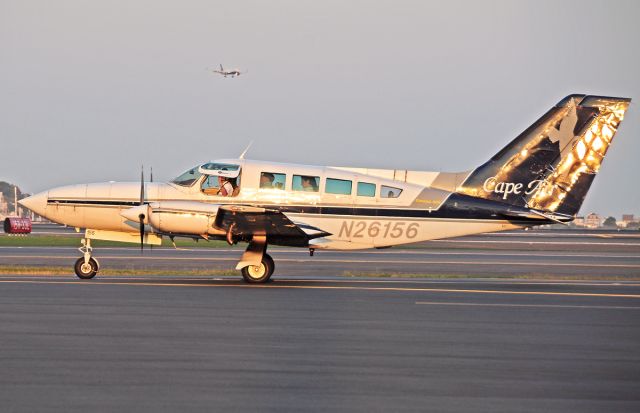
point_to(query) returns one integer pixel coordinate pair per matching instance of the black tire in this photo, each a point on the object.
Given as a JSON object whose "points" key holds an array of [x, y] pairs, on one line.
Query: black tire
{"points": [[86, 272], [259, 275]]}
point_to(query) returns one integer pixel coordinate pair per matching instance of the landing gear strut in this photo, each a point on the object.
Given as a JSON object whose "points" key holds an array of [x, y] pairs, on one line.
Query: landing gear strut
{"points": [[86, 267], [256, 265]]}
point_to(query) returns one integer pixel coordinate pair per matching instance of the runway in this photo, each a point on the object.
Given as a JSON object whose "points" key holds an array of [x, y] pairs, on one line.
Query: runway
{"points": [[587, 254], [342, 331], [175, 344], [605, 264]]}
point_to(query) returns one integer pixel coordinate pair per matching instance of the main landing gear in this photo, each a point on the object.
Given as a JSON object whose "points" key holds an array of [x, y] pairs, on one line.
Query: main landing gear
{"points": [[256, 265], [86, 267], [260, 273]]}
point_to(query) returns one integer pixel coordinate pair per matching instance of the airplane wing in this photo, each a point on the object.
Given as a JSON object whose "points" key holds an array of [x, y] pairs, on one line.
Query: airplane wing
{"points": [[245, 221]]}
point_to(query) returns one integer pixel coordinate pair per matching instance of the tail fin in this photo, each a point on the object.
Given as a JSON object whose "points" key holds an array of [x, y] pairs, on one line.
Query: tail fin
{"points": [[550, 166], [221, 68]]}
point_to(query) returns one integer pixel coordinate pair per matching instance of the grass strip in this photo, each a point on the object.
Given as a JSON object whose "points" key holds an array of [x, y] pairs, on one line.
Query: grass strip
{"points": [[207, 272], [50, 270], [74, 241]]}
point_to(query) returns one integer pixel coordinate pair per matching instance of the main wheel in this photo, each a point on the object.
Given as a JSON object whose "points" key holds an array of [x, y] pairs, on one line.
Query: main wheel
{"points": [[255, 274], [86, 270]]}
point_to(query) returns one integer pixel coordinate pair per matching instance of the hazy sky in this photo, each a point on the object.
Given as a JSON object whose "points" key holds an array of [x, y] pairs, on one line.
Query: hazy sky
{"points": [[89, 90]]}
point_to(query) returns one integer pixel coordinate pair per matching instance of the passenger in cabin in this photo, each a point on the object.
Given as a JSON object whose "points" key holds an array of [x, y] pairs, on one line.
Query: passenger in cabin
{"points": [[266, 180], [226, 187], [309, 184]]}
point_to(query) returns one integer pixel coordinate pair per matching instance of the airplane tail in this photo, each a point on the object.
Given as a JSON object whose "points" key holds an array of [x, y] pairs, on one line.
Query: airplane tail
{"points": [[551, 165]]}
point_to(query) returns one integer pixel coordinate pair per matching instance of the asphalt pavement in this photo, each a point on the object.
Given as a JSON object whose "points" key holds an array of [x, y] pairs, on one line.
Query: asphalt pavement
{"points": [[606, 263], [330, 333], [195, 344]]}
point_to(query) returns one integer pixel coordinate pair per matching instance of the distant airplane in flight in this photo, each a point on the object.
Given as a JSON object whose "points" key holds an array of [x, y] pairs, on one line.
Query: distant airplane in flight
{"points": [[228, 72]]}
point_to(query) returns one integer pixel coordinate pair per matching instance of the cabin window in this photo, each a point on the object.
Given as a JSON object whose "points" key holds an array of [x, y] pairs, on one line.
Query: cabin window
{"points": [[338, 186], [366, 189], [188, 178], [306, 183], [389, 192], [273, 180]]}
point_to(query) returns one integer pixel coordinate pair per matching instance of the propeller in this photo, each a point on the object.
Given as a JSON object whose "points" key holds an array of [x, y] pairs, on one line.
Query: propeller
{"points": [[141, 217], [151, 180]]}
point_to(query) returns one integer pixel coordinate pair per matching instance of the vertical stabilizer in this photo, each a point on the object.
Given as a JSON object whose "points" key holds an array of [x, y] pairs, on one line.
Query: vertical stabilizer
{"points": [[551, 165]]}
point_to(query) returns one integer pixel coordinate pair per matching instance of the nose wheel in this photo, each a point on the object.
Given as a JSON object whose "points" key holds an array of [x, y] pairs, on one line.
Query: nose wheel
{"points": [[86, 270], [86, 267]]}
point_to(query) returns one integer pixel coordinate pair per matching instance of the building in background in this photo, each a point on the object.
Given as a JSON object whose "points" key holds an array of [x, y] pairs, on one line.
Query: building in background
{"points": [[627, 218], [4, 206], [593, 220], [628, 221], [579, 221]]}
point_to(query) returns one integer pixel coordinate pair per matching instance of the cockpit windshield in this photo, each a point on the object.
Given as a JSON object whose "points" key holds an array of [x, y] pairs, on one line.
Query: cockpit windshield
{"points": [[188, 178]]}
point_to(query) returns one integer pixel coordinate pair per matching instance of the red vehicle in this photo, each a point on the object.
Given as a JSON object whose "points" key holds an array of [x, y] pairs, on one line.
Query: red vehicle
{"points": [[17, 225]]}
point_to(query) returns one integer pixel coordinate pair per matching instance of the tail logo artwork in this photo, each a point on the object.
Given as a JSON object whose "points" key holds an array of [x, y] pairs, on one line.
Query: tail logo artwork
{"points": [[507, 188]]}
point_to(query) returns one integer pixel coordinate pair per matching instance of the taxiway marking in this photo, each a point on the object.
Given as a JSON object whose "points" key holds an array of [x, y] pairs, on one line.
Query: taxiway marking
{"points": [[329, 287], [342, 280], [599, 307]]}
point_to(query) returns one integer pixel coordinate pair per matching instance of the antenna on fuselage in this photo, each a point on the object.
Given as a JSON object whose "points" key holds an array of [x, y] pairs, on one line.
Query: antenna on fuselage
{"points": [[245, 151]]}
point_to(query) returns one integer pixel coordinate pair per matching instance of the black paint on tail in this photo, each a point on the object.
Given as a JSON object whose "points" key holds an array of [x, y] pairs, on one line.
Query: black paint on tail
{"points": [[551, 165]]}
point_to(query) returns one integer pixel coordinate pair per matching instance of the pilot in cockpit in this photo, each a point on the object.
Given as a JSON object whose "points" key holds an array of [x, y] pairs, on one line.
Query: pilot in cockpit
{"points": [[219, 185], [225, 186]]}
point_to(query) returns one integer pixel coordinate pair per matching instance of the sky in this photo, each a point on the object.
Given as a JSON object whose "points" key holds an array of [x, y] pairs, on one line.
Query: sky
{"points": [[90, 90]]}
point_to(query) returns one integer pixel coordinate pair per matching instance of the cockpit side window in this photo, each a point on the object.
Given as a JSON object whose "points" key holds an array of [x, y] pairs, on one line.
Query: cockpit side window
{"points": [[220, 186], [210, 185], [188, 178]]}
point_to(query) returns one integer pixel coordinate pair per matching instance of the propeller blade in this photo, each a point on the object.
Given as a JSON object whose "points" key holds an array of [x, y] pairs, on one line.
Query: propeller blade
{"points": [[142, 185], [151, 177], [141, 232], [141, 217]]}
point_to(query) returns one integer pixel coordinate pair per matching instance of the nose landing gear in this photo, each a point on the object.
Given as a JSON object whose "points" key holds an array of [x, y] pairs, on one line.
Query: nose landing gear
{"points": [[86, 267]]}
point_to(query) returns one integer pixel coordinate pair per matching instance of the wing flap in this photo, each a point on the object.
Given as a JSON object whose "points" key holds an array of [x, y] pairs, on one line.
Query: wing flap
{"points": [[245, 221]]}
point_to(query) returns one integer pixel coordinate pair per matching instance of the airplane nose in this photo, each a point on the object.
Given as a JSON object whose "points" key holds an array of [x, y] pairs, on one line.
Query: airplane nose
{"points": [[36, 203]]}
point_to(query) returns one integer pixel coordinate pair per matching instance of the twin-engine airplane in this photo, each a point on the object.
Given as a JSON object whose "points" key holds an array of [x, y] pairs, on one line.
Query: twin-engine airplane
{"points": [[541, 177]]}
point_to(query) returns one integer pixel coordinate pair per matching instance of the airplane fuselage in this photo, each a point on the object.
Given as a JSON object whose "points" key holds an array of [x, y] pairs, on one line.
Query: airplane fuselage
{"points": [[357, 213]]}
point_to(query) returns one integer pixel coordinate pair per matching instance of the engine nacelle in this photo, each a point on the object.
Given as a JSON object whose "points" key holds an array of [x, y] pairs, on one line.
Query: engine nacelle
{"points": [[183, 217]]}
